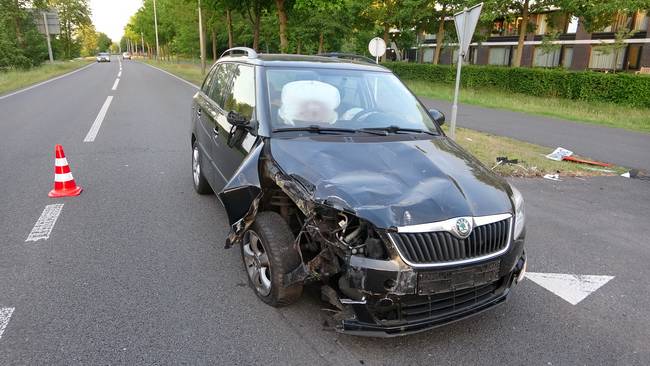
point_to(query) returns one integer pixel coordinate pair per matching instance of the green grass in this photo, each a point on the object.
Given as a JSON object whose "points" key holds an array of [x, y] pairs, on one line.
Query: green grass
{"points": [[485, 147], [186, 70], [605, 114], [18, 79]]}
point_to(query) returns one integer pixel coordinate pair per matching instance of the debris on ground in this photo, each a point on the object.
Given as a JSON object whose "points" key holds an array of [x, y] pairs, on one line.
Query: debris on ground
{"points": [[599, 169], [561, 153], [636, 174], [555, 177]]}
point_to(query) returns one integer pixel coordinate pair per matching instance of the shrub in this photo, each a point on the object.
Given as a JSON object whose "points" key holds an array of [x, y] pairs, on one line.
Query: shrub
{"points": [[621, 88]]}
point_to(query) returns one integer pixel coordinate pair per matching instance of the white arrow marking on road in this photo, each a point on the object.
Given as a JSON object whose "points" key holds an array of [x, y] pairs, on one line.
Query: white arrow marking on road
{"points": [[5, 315], [45, 223], [570, 287]]}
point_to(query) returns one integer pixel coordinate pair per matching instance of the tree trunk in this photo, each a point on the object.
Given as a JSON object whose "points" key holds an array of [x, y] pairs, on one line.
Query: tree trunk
{"points": [[522, 35], [321, 43], [299, 46], [421, 49], [386, 29], [440, 36], [256, 30], [282, 18], [214, 44], [229, 26]]}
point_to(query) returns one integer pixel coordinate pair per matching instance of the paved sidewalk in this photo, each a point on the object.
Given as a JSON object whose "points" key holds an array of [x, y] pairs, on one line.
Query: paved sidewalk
{"points": [[618, 146]]}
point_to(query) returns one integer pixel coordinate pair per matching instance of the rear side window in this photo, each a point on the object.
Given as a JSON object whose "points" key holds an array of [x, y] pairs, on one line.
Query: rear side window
{"points": [[219, 83], [240, 97]]}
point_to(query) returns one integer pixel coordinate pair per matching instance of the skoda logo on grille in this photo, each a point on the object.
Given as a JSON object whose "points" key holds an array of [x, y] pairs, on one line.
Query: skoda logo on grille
{"points": [[463, 227]]}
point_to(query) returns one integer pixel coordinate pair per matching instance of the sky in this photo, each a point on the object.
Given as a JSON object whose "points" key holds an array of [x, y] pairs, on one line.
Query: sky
{"points": [[110, 16]]}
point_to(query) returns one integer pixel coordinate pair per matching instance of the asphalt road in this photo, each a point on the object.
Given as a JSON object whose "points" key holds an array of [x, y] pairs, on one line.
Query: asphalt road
{"points": [[613, 145], [134, 271]]}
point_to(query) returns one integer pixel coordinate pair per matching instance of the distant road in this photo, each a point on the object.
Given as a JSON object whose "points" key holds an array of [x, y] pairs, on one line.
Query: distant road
{"points": [[613, 145], [133, 270]]}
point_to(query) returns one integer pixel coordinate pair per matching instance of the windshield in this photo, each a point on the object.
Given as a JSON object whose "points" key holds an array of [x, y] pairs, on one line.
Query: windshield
{"points": [[332, 98], [103, 54]]}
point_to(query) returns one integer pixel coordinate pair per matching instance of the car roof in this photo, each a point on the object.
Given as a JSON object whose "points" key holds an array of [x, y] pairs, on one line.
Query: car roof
{"points": [[289, 60]]}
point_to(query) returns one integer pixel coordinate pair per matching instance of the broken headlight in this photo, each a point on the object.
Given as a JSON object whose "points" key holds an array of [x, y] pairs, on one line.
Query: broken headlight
{"points": [[520, 215], [360, 236]]}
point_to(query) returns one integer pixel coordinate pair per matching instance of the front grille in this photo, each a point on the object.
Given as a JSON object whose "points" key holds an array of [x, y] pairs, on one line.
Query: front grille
{"points": [[413, 308], [441, 246]]}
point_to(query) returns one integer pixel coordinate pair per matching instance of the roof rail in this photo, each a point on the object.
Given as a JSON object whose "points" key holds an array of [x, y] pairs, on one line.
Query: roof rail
{"points": [[249, 51], [348, 56]]}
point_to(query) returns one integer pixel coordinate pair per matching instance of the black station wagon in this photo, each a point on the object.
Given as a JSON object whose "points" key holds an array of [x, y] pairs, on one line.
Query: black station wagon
{"points": [[332, 173]]}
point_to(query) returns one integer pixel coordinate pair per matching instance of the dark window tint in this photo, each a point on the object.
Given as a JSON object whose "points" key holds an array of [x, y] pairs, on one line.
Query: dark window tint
{"points": [[241, 96], [220, 83]]}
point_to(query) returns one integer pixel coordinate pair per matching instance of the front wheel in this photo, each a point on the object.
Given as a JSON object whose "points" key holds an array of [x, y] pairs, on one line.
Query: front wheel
{"points": [[268, 253], [200, 183]]}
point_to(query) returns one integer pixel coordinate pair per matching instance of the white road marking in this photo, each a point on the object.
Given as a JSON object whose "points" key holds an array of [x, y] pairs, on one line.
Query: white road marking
{"points": [[570, 287], [45, 82], [172, 75], [94, 129], [119, 74], [44, 225], [117, 81], [5, 315]]}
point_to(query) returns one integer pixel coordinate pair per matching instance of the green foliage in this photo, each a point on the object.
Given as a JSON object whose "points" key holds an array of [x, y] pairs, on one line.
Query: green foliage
{"points": [[625, 89], [21, 46]]}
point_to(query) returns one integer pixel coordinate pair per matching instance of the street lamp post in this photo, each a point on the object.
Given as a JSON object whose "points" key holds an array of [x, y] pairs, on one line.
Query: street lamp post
{"points": [[155, 22], [202, 46]]}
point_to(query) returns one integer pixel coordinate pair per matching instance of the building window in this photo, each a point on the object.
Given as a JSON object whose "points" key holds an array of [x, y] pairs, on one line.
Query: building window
{"points": [[573, 25], [428, 54], [633, 56], [541, 24], [641, 21], [605, 61], [547, 59], [567, 56], [499, 56]]}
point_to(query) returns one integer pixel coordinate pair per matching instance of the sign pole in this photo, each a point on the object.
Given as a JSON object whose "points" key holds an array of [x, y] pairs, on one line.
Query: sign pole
{"points": [[155, 24], [47, 36]]}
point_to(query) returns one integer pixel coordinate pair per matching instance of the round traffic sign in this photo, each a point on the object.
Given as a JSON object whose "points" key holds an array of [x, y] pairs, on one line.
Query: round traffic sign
{"points": [[377, 47]]}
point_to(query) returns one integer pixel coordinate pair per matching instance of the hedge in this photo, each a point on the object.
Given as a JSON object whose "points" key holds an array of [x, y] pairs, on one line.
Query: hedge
{"points": [[621, 88]]}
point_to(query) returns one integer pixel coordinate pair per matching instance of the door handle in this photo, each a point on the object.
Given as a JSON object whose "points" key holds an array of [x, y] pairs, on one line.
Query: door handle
{"points": [[198, 112], [215, 131]]}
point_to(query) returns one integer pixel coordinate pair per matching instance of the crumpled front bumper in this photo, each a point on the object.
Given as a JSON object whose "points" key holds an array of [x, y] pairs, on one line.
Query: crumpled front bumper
{"points": [[391, 315]]}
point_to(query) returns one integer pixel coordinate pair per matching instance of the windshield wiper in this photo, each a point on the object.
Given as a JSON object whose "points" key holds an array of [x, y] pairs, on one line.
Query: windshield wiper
{"points": [[319, 129], [397, 129]]}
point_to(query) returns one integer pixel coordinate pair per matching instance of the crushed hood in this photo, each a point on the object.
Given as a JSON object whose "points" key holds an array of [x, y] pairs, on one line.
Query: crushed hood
{"points": [[393, 183]]}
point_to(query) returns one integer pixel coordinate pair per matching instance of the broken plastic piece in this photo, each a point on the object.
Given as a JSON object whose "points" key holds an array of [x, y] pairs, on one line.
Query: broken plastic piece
{"points": [[559, 154], [555, 177]]}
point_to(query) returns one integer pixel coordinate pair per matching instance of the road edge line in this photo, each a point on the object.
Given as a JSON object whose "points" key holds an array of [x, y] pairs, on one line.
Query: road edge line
{"points": [[45, 81], [172, 75]]}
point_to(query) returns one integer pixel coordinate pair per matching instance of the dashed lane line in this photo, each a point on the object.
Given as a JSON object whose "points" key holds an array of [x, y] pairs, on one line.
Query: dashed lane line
{"points": [[45, 223], [5, 315], [45, 82], [94, 129], [117, 81]]}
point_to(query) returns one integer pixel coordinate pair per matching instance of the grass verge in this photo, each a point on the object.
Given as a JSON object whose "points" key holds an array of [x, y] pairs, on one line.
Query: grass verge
{"points": [[532, 160], [188, 71], [485, 147], [18, 79], [605, 114]]}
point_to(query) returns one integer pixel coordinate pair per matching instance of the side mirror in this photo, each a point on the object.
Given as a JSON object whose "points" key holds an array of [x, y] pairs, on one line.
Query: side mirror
{"points": [[437, 116], [237, 120]]}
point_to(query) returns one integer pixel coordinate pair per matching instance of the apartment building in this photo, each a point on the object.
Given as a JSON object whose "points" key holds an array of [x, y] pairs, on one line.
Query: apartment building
{"points": [[574, 48]]}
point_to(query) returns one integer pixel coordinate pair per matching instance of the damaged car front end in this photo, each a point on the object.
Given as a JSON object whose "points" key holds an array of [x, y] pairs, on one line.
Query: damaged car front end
{"points": [[383, 265]]}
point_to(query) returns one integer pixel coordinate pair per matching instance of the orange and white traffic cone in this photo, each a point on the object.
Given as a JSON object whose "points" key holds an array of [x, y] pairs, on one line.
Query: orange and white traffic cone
{"points": [[64, 184]]}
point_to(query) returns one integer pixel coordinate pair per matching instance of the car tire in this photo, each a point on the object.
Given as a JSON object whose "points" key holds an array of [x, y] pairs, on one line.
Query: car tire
{"points": [[275, 242], [201, 184]]}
